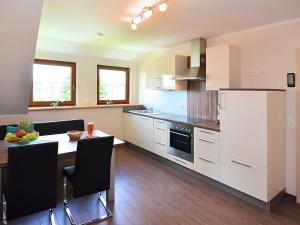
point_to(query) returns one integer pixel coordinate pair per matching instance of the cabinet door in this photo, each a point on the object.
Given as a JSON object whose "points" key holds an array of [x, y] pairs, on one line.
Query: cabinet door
{"points": [[151, 70], [145, 133], [243, 116], [165, 63], [217, 67], [248, 178], [160, 137], [130, 128]]}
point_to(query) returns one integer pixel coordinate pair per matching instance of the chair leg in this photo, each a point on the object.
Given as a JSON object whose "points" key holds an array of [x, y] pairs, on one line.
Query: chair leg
{"points": [[104, 202], [66, 206], [52, 217], [4, 211]]}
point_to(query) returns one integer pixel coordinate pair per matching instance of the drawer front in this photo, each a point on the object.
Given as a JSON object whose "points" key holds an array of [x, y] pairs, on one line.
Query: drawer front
{"points": [[180, 161], [160, 135], [160, 149], [160, 124], [207, 133], [207, 148], [245, 177], [207, 167]]}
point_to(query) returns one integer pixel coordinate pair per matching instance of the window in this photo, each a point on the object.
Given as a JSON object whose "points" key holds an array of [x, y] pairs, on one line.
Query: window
{"points": [[113, 85], [53, 81]]}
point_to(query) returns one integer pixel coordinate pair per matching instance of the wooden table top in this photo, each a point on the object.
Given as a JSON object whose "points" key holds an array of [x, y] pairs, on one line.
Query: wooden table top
{"points": [[65, 145]]}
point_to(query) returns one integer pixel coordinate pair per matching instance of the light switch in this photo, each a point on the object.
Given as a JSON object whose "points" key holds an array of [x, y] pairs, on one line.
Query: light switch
{"points": [[291, 122]]}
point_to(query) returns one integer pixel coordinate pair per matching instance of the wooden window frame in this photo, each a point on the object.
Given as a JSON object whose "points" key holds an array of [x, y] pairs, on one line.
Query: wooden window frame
{"points": [[73, 84], [127, 89]]}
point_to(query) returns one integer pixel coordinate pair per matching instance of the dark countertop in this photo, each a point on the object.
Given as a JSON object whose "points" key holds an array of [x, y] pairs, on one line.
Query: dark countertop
{"points": [[205, 124]]}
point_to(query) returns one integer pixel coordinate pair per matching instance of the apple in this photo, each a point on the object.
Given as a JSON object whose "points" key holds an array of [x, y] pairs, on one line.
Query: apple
{"points": [[20, 133]]}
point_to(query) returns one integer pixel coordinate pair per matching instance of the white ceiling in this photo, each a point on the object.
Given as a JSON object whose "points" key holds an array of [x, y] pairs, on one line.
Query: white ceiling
{"points": [[79, 21]]}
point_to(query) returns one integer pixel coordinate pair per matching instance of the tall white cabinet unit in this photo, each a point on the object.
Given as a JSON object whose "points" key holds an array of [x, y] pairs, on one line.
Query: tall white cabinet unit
{"points": [[253, 141]]}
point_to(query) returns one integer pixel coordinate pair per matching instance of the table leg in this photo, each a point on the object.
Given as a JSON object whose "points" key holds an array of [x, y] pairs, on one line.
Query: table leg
{"points": [[110, 194]]}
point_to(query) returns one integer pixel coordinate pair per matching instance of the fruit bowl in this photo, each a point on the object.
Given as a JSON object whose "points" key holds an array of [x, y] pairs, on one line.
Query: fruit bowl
{"points": [[74, 135], [26, 138]]}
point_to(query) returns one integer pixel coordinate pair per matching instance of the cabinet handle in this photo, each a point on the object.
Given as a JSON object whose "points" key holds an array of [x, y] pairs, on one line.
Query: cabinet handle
{"points": [[179, 161], [207, 132], [211, 142], [179, 134], [242, 164], [160, 143], [222, 101], [206, 160], [160, 129], [144, 118], [160, 122]]}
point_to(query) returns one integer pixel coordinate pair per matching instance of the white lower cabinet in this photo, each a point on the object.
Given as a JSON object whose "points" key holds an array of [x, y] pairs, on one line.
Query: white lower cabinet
{"points": [[245, 177], [161, 138], [207, 153], [138, 130]]}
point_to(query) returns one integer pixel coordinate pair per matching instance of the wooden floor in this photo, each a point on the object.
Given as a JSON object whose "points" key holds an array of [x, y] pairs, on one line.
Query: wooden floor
{"points": [[150, 192]]}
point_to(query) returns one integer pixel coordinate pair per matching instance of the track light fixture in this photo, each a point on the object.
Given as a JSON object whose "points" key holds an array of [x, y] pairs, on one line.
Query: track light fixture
{"points": [[147, 13]]}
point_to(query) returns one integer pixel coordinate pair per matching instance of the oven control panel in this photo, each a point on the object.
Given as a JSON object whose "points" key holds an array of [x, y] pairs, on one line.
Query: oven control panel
{"points": [[181, 127]]}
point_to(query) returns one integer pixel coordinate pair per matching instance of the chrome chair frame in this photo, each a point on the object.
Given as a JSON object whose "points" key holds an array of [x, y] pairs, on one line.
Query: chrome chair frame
{"points": [[96, 220]]}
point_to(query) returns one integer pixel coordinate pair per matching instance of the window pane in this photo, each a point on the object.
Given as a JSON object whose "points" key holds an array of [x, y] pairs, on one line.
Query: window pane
{"points": [[52, 83], [112, 84]]}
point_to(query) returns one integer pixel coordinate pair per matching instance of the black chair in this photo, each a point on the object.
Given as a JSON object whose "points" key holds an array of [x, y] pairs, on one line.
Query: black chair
{"points": [[58, 127], [3, 130], [91, 173], [31, 183]]}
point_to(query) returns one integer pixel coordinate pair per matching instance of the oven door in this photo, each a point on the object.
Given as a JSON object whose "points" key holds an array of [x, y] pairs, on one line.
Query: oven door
{"points": [[180, 145]]}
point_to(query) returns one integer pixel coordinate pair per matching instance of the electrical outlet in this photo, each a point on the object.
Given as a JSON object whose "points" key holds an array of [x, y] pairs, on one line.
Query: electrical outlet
{"points": [[252, 73], [180, 107], [291, 122]]}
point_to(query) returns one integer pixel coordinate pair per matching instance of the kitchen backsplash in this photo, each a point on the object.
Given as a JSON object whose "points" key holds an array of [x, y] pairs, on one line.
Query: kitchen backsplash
{"points": [[173, 102]]}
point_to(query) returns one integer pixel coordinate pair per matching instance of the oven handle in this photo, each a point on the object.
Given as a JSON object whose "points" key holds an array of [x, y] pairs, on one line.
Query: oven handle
{"points": [[185, 135]]}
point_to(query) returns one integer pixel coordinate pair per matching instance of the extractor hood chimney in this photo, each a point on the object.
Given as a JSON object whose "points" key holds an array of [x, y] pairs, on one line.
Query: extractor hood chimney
{"points": [[198, 62]]}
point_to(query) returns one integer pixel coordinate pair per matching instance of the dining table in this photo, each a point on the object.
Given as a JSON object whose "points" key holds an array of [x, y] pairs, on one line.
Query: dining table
{"points": [[66, 156]]}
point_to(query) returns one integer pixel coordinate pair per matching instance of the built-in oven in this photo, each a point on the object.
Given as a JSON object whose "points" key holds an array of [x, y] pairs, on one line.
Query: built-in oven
{"points": [[181, 141]]}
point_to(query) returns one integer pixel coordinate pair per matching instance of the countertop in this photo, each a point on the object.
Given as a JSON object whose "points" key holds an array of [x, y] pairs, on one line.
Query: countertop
{"points": [[205, 124]]}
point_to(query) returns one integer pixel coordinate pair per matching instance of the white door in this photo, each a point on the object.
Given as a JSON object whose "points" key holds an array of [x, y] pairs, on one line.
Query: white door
{"points": [[145, 133]]}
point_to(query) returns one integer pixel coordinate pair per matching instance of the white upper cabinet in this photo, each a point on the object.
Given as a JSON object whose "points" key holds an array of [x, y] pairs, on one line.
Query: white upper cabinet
{"points": [[223, 67], [160, 71]]}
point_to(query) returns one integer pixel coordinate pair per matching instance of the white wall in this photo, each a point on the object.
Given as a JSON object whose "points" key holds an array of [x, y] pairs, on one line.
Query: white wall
{"points": [[109, 120], [86, 68], [271, 51], [19, 22]]}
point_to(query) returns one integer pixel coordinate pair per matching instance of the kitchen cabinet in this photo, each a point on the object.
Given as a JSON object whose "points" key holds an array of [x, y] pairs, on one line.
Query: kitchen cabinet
{"points": [[130, 128], [160, 71], [223, 67], [253, 142], [206, 153], [161, 138], [138, 130]]}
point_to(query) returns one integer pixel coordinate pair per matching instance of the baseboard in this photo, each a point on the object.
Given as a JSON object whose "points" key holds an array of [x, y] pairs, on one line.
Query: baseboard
{"points": [[267, 206]]}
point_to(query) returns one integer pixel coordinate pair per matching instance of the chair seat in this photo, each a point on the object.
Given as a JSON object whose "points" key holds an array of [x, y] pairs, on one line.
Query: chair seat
{"points": [[69, 172]]}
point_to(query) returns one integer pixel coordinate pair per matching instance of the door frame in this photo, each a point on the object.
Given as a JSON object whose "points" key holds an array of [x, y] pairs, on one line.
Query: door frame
{"points": [[298, 127]]}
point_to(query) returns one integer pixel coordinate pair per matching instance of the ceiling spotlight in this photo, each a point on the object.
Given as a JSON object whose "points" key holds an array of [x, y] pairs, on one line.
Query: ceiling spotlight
{"points": [[163, 7], [147, 12], [134, 26], [137, 19]]}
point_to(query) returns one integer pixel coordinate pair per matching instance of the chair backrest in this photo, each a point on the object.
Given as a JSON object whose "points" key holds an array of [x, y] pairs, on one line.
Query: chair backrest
{"points": [[58, 127], [31, 178], [92, 165], [3, 130]]}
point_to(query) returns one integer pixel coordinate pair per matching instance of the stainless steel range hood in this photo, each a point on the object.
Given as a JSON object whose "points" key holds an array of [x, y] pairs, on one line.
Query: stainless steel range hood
{"points": [[198, 62]]}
